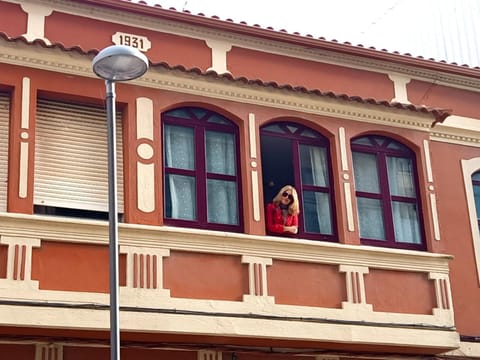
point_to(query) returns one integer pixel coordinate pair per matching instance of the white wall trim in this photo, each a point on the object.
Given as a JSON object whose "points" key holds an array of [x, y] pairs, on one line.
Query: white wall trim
{"points": [[469, 167]]}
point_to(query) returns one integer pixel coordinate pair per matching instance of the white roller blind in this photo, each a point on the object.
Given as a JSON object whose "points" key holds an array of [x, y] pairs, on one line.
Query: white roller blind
{"points": [[4, 117], [71, 156]]}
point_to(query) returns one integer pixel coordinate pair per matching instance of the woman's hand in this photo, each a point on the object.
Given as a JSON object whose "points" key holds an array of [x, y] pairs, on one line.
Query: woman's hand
{"points": [[290, 229]]}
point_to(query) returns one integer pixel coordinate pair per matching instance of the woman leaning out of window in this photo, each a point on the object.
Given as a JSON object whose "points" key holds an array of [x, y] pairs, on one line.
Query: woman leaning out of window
{"points": [[282, 212]]}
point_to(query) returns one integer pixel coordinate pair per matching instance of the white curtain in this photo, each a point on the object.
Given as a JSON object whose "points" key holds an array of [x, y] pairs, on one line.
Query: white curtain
{"points": [[365, 172], [400, 176], [179, 150], [405, 215], [222, 202], [405, 220], [314, 171], [370, 216]]}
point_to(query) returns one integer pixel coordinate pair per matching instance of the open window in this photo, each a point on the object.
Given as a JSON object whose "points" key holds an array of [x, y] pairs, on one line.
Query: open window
{"points": [[296, 155]]}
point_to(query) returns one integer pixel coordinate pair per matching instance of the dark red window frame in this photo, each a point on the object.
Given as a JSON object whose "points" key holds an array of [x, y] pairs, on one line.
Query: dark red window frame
{"points": [[379, 146], [200, 120]]}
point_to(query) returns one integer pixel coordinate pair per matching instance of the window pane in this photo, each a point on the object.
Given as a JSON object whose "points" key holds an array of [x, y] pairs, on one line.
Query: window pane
{"points": [[476, 176], [476, 193], [400, 176], [365, 172], [316, 213], [371, 219], [220, 153], [313, 163], [179, 147], [180, 197], [405, 221], [222, 202]]}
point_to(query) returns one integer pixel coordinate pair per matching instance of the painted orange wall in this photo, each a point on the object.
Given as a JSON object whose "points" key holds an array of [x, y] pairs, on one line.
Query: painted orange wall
{"points": [[456, 234], [71, 267], [72, 31], [285, 70], [461, 102], [309, 284], [17, 351], [205, 276], [13, 19], [400, 292]]}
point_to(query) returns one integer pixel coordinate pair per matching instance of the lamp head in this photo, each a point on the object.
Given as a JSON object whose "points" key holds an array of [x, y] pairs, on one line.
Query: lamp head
{"points": [[120, 63]]}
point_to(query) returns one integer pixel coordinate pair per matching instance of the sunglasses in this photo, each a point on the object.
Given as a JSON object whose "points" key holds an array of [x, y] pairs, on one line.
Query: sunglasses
{"points": [[286, 194]]}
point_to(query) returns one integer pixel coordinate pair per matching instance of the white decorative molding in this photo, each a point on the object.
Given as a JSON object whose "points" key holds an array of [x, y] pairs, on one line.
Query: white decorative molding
{"points": [[343, 148], [436, 223], [145, 171], [35, 56], [24, 139], [442, 291], [252, 132], [354, 279], [209, 355], [48, 352], [257, 274], [149, 309], [219, 55], [349, 206], [144, 267], [400, 88], [19, 262], [428, 162], [469, 167], [457, 130], [36, 20], [255, 195]]}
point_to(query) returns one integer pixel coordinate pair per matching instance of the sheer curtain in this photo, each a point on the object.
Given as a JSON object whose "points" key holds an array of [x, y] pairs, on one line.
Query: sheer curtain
{"points": [[180, 189], [370, 212], [222, 202], [405, 215], [316, 204]]}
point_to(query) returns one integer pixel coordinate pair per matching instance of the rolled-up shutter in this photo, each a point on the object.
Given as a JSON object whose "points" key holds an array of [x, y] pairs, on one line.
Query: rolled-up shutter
{"points": [[4, 120], [71, 156]]}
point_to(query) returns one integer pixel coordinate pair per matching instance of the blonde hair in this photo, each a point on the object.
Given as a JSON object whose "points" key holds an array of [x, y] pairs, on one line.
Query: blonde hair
{"points": [[293, 207]]}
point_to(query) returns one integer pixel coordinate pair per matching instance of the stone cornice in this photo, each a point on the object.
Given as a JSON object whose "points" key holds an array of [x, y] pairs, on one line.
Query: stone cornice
{"points": [[73, 62]]}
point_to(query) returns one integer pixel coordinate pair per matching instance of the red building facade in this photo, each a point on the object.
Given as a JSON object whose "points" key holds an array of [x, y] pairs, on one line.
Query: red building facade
{"points": [[382, 149]]}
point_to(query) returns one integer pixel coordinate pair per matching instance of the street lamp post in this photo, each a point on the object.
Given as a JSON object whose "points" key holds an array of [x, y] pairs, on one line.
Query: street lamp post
{"points": [[115, 63]]}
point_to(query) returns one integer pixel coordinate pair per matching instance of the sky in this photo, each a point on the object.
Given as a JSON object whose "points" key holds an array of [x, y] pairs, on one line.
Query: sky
{"points": [[445, 30]]}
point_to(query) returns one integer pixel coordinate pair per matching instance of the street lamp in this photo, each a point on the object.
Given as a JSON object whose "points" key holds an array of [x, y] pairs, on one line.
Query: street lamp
{"points": [[115, 63]]}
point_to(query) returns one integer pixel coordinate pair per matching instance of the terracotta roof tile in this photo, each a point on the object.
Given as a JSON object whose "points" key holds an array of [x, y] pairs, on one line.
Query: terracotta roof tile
{"points": [[439, 114]]}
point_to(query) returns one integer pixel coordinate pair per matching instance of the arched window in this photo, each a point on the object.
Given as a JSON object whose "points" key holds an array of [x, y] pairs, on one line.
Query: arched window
{"points": [[201, 170], [387, 193], [293, 154], [476, 194]]}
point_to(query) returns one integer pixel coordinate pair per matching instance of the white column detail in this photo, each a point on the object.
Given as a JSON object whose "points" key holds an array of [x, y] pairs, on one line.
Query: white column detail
{"points": [[145, 171], [349, 206], [252, 132], [219, 55], [355, 286], [19, 262], [400, 88], [257, 277], [209, 355], [343, 148], [144, 267], [431, 188], [442, 290], [48, 352], [36, 21], [24, 146]]}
